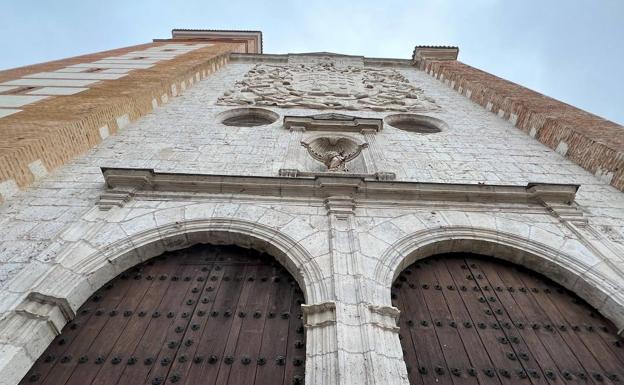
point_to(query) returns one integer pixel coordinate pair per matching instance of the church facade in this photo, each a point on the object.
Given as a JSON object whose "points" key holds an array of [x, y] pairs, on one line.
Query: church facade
{"points": [[192, 210]]}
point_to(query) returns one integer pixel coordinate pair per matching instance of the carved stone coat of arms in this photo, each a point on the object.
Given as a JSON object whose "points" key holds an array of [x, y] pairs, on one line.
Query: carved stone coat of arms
{"points": [[324, 85]]}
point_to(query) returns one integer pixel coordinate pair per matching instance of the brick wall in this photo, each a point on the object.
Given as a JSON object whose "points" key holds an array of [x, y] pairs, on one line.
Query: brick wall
{"points": [[592, 142], [51, 132]]}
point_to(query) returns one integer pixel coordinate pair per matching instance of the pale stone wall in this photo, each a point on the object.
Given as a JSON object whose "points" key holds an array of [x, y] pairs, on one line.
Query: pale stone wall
{"points": [[57, 247]]}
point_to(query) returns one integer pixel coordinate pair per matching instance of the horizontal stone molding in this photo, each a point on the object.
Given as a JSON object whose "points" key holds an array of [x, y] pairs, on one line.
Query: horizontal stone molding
{"points": [[319, 315], [385, 317], [277, 58], [428, 52], [295, 173], [333, 123], [325, 186]]}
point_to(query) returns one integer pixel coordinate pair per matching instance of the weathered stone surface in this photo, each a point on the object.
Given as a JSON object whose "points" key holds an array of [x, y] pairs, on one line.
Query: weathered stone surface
{"points": [[55, 242], [326, 85]]}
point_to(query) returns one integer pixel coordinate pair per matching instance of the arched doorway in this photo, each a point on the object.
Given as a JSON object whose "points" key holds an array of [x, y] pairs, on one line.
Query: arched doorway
{"points": [[467, 319], [202, 315]]}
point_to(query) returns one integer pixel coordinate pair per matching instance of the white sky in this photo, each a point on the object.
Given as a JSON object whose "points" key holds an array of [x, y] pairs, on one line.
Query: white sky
{"points": [[572, 50]]}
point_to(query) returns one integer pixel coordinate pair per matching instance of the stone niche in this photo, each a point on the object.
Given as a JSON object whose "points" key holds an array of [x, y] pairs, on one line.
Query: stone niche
{"points": [[333, 144]]}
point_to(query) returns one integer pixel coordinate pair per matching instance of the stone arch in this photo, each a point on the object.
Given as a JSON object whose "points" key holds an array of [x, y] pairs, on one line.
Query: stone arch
{"points": [[100, 265], [575, 274], [187, 303], [88, 264]]}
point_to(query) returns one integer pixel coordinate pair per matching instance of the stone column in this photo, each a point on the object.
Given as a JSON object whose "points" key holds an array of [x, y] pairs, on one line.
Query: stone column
{"points": [[368, 348]]}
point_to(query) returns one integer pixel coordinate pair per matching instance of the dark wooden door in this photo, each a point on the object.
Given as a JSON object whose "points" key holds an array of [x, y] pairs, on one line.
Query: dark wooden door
{"points": [[473, 320], [204, 315]]}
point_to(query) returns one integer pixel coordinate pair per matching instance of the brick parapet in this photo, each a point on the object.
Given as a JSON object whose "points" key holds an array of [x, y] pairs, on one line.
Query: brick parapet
{"points": [[56, 130], [594, 143]]}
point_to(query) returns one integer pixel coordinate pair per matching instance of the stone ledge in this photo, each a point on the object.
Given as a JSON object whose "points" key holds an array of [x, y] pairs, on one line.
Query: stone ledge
{"points": [[333, 123], [147, 181], [426, 52], [319, 315]]}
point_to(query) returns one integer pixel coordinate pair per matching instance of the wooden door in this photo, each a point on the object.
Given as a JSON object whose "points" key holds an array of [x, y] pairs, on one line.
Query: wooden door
{"points": [[467, 319], [203, 315]]}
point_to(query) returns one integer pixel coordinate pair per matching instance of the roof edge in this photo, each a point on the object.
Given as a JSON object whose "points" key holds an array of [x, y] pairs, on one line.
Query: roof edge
{"points": [[221, 35], [435, 52]]}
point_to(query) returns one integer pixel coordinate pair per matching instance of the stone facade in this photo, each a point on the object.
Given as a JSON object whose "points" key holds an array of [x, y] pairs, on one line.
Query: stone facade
{"points": [[480, 185]]}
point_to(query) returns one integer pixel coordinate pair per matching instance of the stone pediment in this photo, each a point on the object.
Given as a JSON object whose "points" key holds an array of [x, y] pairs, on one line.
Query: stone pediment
{"points": [[333, 122]]}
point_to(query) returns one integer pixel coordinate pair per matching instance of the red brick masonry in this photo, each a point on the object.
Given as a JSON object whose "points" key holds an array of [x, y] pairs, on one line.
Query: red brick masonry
{"points": [[58, 129], [592, 142]]}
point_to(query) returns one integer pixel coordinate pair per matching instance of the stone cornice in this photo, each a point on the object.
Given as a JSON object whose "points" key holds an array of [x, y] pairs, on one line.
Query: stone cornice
{"points": [[252, 39], [333, 123], [283, 58], [331, 185], [426, 52]]}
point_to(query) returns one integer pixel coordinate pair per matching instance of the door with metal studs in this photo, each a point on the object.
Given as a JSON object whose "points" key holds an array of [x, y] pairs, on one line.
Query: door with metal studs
{"points": [[467, 319], [203, 315]]}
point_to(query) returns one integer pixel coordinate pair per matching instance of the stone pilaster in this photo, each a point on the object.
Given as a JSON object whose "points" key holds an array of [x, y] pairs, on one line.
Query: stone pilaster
{"points": [[322, 349], [291, 161], [371, 153], [370, 351]]}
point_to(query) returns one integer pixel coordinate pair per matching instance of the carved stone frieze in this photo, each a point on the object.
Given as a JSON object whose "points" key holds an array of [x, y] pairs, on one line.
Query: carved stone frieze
{"points": [[324, 85]]}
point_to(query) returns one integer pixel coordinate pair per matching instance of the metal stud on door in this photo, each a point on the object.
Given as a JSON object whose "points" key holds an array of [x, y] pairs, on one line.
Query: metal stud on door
{"points": [[209, 315], [489, 322]]}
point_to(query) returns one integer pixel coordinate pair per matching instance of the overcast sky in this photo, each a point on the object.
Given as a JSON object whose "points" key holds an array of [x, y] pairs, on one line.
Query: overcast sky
{"points": [[572, 50]]}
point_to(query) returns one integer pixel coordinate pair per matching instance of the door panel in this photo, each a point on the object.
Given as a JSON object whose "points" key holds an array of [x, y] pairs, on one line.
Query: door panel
{"points": [[203, 315], [467, 319]]}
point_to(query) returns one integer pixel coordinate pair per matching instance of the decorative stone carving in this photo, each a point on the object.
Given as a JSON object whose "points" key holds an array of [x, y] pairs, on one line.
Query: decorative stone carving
{"points": [[157, 184], [385, 317], [318, 315], [115, 198], [333, 151], [324, 85], [334, 123]]}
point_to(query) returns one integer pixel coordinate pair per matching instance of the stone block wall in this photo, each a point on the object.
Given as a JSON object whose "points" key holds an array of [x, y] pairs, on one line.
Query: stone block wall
{"points": [[57, 243]]}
